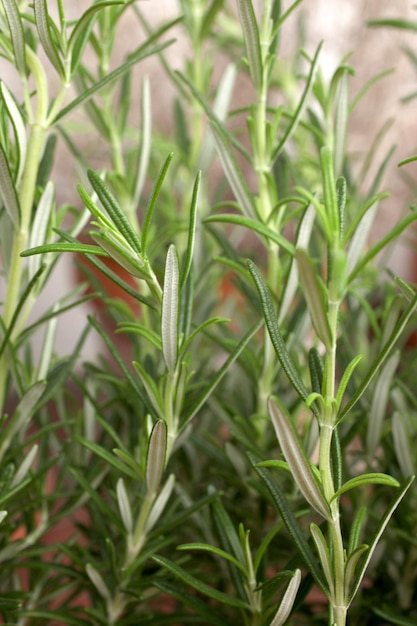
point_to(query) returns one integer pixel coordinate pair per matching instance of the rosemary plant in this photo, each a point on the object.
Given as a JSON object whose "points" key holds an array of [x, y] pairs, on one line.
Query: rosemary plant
{"points": [[241, 450]]}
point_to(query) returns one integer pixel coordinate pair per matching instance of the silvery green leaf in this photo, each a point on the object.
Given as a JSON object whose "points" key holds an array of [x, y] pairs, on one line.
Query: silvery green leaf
{"points": [[296, 459], [151, 388], [160, 503], [16, 34], [98, 582], [124, 505], [341, 119], [252, 43], [220, 109], [50, 47], [120, 252], [234, 174], [19, 129], [155, 462], [402, 442], [287, 601], [189, 253], [351, 565], [8, 193], [313, 294], [145, 140], [329, 192], [25, 466], [2, 515], [48, 346], [379, 403], [361, 237], [301, 105], [39, 230], [302, 241], [324, 555], [169, 314], [21, 415]]}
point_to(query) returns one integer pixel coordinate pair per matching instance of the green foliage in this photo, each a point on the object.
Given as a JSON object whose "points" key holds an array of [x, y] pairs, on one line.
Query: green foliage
{"points": [[247, 433]]}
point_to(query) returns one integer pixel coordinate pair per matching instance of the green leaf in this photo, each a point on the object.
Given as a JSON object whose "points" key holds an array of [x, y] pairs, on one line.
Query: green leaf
{"points": [[394, 22], [324, 554], [40, 225], [234, 174], [351, 565], [329, 193], [124, 505], [254, 225], [252, 42], [110, 459], [344, 381], [341, 119], [217, 551], [372, 545], [356, 529], [402, 442], [151, 389], [30, 287], [16, 34], [296, 458], [152, 202], [367, 479], [188, 259], [160, 503], [19, 129], [290, 522], [115, 212], [198, 585], [291, 283], [274, 332], [42, 20], [8, 193], [215, 121], [287, 602], [21, 416], [391, 236], [169, 315], [388, 614], [379, 404], [300, 108], [81, 248], [81, 31], [145, 141], [314, 296], [155, 462]]}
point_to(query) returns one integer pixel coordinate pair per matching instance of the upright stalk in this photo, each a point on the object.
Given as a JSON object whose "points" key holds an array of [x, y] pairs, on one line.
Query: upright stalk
{"points": [[338, 600], [26, 194]]}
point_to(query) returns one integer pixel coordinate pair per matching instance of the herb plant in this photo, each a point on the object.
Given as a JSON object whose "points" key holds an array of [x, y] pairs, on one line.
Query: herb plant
{"points": [[242, 449]]}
